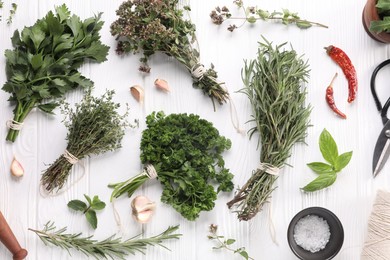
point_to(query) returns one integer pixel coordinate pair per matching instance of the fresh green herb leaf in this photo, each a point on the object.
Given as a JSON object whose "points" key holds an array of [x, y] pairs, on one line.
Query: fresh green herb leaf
{"points": [[109, 248], [97, 204], [381, 25], [244, 254], [91, 218], [12, 13], [342, 161], [328, 147], [327, 172], [230, 241], [319, 167], [321, 182], [48, 107], [77, 205], [88, 199]]}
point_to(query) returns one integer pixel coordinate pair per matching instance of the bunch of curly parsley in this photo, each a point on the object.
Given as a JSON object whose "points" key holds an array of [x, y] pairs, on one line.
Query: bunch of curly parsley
{"points": [[186, 152]]}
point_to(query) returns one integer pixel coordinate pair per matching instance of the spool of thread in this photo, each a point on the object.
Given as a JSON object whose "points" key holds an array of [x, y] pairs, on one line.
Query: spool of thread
{"points": [[8, 238], [377, 245]]}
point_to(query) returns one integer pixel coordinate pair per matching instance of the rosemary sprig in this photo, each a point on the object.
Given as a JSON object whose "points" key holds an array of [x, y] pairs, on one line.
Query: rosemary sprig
{"points": [[273, 86], [111, 247]]}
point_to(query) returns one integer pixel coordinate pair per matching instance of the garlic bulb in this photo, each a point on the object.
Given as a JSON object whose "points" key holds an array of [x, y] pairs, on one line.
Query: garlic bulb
{"points": [[16, 168], [142, 209]]}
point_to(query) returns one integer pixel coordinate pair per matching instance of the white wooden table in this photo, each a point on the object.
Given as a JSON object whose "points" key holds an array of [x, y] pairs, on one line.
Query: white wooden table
{"points": [[350, 198]]}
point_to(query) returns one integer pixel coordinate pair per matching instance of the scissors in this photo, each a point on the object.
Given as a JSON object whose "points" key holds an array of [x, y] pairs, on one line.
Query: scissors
{"points": [[382, 147]]}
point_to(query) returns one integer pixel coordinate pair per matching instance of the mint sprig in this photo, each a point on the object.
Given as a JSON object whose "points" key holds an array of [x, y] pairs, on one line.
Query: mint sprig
{"points": [[327, 171], [88, 210]]}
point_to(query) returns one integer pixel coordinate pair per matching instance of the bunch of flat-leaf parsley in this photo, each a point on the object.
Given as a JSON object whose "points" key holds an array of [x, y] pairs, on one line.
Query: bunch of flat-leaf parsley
{"points": [[185, 151], [45, 60]]}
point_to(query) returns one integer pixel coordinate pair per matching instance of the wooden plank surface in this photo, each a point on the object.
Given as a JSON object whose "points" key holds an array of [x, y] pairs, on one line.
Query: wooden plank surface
{"points": [[350, 198]]}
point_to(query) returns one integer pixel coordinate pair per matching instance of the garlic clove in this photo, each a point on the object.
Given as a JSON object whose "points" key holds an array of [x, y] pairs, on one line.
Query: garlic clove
{"points": [[137, 92], [16, 168], [162, 84], [142, 209]]}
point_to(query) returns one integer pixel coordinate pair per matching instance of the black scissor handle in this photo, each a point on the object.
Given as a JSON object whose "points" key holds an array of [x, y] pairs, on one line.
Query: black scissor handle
{"points": [[378, 103]]}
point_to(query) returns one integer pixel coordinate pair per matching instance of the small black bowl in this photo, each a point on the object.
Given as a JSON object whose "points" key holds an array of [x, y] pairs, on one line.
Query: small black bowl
{"points": [[336, 235]]}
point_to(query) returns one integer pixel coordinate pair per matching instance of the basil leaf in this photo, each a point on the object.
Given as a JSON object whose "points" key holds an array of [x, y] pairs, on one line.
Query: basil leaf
{"points": [[97, 204], [322, 181], [342, 161], [77, 205], [91, 218], [320, 168], [328, 147], [88, 199]]}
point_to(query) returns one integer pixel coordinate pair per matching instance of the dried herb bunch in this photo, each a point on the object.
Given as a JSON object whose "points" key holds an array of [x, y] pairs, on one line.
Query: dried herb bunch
{"points": [[186, 152], [273, 84], [252, 14], [111, 247], [45, 60], [95, 127], [159, 26]]}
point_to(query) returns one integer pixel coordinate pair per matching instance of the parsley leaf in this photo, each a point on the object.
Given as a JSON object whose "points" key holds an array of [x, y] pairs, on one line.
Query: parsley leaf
{"points": [[45, 59]]}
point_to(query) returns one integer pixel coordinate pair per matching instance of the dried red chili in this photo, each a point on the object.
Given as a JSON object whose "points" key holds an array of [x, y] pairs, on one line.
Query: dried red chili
{"points": [[330, 99], [342, 59]]}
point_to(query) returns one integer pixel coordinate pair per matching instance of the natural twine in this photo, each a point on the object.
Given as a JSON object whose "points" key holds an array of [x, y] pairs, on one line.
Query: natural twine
{"points": [[269, 168], [377, 245], [14, 125]]}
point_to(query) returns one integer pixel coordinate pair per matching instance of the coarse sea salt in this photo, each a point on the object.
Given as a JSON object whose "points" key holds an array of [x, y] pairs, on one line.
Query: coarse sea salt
{"points": [[312, 233]]}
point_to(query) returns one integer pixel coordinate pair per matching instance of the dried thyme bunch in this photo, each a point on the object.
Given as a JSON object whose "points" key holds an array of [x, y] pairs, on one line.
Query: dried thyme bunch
{"points": [[273, 85], [252, 14], [110, 247], [95, 127], [159, 26]]}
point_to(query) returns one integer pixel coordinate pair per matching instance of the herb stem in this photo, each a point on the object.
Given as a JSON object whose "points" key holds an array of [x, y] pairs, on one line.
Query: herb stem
{"points": [[290, 20]]}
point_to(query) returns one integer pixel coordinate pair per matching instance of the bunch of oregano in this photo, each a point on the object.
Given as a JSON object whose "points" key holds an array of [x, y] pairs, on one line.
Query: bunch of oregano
{"points": [[159, 26], [186, 152], [45, 60], [273, 84], [109, 248], [95, 127], [327, 172]]}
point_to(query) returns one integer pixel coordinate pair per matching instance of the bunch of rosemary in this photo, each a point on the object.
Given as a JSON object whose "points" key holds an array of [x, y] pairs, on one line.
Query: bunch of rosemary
{"points": [[273, 85], [95, 127], [159, 26], [110, 247]]}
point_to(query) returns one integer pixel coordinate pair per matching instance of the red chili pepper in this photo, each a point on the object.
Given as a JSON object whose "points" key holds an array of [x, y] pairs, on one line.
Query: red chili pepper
{"points": [[342, 59], [330, 99]]}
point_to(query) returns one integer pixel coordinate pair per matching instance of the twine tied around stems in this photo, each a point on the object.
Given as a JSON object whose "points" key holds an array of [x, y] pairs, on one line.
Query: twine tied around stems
{"points": [[197, 71], [70, 157], [14, 125], [269, 168]]}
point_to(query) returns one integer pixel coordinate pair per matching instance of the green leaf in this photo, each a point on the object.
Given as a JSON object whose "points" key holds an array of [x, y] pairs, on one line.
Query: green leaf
{"points": [[37, 36], [53, 24], [88, 199], [381, 25], [251, 19], [16, 39], [321, 182], [42, 90], [303, 24], [319, 167], [97, 51], [62, 12], [230, 241], [328, 147], [36, 61], [91, 218], [97, 204], [48, 107], [342, 161], [74, 24], [383, 5], [263, 14], [77, 205], [244, 254]]}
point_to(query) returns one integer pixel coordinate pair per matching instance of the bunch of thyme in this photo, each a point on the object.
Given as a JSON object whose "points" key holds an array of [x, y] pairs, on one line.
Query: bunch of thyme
{"points": [[252, 14], [110, 247], [273, 84], [159, 26], [95, 127]]}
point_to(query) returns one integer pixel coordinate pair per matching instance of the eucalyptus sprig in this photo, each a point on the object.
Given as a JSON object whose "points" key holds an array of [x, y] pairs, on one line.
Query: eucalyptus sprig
{"points": [[273, 82], [110, 247], [151, 26], [327, 172], [252, 14], [88, 210], [225, 243], [95, 127]]}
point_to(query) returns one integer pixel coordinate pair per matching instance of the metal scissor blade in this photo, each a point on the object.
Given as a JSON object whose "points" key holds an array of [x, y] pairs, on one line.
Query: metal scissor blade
{"points": [[382, 149]]}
